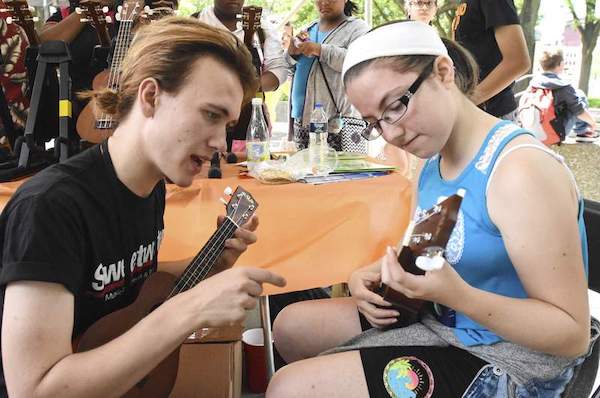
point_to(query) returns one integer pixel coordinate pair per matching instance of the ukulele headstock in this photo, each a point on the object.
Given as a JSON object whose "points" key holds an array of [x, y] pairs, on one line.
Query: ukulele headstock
{"points": [[97, 15], [158, 10], [251, 16], [127, 12], [21, 14], [426, 237], [241, 206]]}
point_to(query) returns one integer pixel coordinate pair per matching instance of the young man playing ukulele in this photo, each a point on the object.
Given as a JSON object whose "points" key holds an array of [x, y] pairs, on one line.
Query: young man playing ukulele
{"points": [[80, 238]]}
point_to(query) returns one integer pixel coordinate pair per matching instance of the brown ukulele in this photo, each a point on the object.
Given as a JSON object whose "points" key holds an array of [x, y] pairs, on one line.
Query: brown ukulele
{"points": [[251, 16], [158, 288], [94, 126], [161, 9], [423, 249], [20, 13], [94, 13]]}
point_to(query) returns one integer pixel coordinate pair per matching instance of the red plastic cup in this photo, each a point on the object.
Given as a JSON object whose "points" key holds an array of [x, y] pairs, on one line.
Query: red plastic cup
{"points": [[254, 359]]}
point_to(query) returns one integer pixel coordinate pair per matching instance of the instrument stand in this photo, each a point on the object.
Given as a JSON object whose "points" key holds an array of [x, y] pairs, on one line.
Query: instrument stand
{"points": [[50, 53]]}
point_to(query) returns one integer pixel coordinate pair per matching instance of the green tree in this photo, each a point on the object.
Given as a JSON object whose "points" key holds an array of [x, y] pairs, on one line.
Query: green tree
{"points": [[589, 28], [529, 11]]}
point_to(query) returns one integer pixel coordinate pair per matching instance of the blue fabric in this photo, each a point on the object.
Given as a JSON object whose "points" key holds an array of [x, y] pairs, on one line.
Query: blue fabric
{"points": [[476, 249], [303, 68], [493, 382], [580, 126]]}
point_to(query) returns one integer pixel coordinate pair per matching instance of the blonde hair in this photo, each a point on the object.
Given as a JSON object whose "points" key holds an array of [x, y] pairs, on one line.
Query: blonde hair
{"points": [[166, 50], [551, 59]]}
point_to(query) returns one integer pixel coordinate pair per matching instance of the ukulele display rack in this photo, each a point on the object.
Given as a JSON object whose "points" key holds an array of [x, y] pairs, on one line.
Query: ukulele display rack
{"points": [[31, 157]]}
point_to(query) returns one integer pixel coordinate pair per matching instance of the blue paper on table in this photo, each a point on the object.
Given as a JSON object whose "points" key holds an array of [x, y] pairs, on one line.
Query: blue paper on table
{"points": [[341, 177]]}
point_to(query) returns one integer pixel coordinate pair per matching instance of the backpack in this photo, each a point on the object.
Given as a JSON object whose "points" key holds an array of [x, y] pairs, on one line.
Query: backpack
{"points": [[537, 113]]}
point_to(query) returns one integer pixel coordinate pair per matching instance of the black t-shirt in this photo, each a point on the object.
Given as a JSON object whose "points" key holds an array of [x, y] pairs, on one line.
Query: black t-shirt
{"points": [[475, 31], [78, 225]]}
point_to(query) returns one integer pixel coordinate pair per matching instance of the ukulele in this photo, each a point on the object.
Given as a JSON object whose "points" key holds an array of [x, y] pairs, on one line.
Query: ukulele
{"points": [[251, 16], [423, 249], [160, 9], [93, 126], [159, 287], [20, 13], [94, 13]]}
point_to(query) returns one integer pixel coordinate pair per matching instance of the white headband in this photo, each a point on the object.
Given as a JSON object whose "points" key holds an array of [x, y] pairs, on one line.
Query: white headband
{"points": [[401, 38]]}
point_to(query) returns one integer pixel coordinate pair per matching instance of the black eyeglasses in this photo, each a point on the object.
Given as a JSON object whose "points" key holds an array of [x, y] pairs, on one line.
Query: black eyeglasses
{"points": [[397, 109], [422, 4]]}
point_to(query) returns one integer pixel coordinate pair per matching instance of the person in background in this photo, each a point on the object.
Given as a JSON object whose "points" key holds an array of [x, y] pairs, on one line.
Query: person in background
{"points": [[225, 14], [571, 104], [316, 55], [511, 314], [490, 30], [421, 10]]}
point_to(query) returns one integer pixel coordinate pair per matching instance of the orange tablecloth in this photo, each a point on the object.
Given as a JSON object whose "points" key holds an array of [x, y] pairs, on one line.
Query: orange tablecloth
{"points": [[311, 235]]}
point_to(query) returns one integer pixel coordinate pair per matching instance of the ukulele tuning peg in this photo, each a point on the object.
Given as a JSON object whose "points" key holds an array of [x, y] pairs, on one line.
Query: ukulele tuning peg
{"points": [[105, 9], [223, 201], [78, 10], [9, 20], [108, 19], [228, 191], [31, 8], [36, 19], [430, 263], [84, 20]]}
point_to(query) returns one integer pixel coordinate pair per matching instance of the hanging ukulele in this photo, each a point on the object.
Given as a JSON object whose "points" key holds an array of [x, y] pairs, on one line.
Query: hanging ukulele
{"points": [[159, 9], [21, 15], [159, 287], [253, 39], [251, 16], [422, 250], [93, 126], [96, 14]]}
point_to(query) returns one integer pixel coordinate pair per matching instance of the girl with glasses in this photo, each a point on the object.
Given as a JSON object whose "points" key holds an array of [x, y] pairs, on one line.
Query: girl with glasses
{"points": [[421, 10], [512, 316]]}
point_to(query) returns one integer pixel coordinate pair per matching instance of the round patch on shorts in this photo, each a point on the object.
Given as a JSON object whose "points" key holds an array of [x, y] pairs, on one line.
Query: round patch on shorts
{"points": [[408, 377]]}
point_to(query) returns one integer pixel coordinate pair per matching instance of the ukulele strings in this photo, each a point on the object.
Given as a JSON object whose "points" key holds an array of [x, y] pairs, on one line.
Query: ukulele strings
{"points": [[123, 40], [207, 255]]}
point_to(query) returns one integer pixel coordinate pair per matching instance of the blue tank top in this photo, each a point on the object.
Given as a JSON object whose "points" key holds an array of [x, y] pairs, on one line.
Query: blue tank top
{"points": [[476, 249]]}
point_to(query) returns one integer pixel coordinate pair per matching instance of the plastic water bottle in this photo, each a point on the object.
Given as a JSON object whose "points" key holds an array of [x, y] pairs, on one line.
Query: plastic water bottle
{"points": [[257, 137], [317, 141]]}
